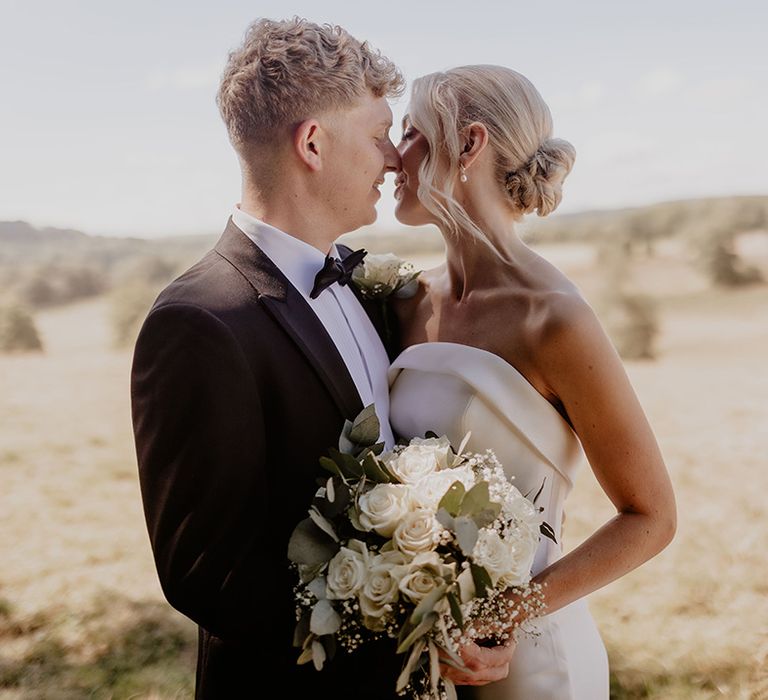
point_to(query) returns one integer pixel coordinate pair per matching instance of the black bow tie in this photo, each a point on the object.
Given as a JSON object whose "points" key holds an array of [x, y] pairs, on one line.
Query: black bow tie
{"points": [[335, 270]]}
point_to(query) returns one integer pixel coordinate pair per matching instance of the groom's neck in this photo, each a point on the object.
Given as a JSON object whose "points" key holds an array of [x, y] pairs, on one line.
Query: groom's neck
{"points": [[287, 212]]}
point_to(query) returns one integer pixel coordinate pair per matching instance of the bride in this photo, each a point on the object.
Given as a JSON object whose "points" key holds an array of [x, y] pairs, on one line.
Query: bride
{"points": [[500, 342]]}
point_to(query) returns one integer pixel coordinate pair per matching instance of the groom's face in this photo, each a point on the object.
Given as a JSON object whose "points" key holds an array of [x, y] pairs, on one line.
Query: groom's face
{"points": [[359, 156]]}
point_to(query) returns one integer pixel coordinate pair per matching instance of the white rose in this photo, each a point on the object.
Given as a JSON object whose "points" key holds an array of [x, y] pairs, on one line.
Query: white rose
{"points": [[441, 447], [516, 506], [382, 269], [381, 588], [522, 549], [428, 492], [415, 462], [425, 573], [383, 507], [507, 559], [418, 532], [347, 571]]}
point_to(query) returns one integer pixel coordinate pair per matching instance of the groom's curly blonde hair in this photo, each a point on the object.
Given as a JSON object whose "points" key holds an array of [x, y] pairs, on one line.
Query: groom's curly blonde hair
{"points": [[290, 70]]}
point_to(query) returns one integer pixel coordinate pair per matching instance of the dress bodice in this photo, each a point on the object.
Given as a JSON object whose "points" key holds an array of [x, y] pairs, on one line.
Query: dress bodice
{"points": [[453, 389]]}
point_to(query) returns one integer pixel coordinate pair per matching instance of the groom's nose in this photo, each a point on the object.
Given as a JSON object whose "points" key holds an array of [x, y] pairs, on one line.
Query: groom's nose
{"points": [[392, 161]]}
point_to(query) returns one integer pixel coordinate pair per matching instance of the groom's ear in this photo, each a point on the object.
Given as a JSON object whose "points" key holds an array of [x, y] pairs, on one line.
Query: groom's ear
{"points": [[306, 143]]}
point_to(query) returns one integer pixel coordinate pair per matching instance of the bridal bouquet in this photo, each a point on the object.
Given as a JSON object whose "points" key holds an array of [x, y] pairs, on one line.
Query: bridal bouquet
{"points": [[416, 544]]}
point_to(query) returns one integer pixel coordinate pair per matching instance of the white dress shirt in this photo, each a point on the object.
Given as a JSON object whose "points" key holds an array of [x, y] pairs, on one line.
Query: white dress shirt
{"points": [[336, 307]]}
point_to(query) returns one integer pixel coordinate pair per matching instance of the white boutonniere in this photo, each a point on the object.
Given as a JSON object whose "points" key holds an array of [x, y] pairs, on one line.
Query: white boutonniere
{"points": [[379, 276]]}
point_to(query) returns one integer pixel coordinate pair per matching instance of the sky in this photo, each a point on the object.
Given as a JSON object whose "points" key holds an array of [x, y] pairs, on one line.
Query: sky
{"points": [[108, 122]]}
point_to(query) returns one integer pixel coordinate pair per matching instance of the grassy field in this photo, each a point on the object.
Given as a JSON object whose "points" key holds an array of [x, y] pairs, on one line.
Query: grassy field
{"points": [[82, 615]]}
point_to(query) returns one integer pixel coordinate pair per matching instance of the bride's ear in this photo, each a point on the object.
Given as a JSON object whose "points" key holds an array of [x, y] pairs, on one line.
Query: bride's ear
{"points": [[474, 139]]}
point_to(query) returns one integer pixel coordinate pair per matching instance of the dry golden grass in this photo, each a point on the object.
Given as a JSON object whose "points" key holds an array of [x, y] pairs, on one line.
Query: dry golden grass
{"points": [[82, 615]]}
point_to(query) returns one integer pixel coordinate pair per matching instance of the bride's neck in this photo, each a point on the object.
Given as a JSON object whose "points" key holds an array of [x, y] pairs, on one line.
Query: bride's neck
{"points": [[474, 263]]}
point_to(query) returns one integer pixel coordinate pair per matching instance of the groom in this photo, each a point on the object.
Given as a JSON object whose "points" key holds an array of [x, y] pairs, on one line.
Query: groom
{"points": [[245, 370]]}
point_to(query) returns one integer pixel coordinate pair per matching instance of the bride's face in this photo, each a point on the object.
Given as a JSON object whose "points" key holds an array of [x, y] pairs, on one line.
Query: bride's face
{"points": [[413, 148]]}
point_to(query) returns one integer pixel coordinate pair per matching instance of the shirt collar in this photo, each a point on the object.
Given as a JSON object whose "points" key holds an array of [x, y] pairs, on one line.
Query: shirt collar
{"points": [[297, 260]]}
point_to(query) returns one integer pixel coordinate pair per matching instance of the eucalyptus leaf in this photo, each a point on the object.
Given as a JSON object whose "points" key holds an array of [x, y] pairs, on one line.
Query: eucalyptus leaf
{"points": [[305, 657], [317, 587], [329, 642], [547, 531], [431, 434], [426, 624], [309, 573], [427, 604], [330, 491], [309, 545], [434, 667], [467, 588], [331, 466], [476, 499], [408, 289], [445, 519], [482, 580], [346, 445], [366, 427], [453, 497], [325, 619], [318, 655], [342, 497], [410, 665], [323, 523], [301, 632], [458, 618], [464, 443], [377, 449], [373, 470], [486, 516], [466, 534]]}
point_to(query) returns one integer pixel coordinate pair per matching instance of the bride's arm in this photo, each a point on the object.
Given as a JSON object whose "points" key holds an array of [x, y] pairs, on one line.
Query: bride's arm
{"points": [[581, 367]]}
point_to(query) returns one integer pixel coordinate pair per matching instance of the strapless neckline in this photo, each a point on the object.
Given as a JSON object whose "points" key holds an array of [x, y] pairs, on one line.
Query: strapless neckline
{"points": [[492, 357]]}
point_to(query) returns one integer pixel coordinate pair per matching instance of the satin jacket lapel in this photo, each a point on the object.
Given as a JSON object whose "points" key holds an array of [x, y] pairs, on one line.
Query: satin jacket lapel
{"points": [[293, 313]]}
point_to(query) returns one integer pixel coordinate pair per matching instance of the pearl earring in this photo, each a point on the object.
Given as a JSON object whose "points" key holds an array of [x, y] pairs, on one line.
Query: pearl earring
{"points": [[463, 176]]}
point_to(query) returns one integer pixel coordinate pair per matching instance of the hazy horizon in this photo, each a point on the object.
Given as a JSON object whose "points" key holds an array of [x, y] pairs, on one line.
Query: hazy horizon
{"points": [[113, 129]]}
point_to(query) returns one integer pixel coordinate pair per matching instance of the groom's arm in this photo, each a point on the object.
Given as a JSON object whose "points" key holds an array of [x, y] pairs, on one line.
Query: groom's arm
{"points": [[199, 432]]}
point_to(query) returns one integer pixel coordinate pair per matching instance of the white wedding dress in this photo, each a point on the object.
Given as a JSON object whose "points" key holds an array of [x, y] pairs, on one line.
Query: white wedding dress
{"points": [[451, 389]]}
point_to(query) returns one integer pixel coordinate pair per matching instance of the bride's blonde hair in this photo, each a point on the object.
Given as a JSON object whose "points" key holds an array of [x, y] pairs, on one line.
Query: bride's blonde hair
{"points": [[530, 164]]}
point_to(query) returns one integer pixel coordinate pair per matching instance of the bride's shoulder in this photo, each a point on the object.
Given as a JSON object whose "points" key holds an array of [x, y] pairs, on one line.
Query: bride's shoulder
{"points": [[564, 316]]}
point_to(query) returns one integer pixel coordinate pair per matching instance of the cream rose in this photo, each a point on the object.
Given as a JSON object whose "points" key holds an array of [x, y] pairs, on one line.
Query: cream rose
{"points": [[428, 492], [383, 268], [383, 507], [420, 459], [508, 559], [381, 588], [417, 532], [347, 571], [425, 573], [522, 548]]}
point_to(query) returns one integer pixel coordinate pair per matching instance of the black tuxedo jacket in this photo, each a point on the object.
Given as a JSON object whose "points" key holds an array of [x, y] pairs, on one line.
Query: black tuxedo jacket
{"points": [[237, 390]]}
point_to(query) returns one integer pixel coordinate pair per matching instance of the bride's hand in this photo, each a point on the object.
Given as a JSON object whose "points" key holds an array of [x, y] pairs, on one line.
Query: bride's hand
{"points": [[484, 664]]}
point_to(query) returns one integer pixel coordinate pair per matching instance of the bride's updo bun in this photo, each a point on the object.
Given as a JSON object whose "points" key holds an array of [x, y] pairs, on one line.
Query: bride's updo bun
{"points": [[530, 164], [538, 185]]}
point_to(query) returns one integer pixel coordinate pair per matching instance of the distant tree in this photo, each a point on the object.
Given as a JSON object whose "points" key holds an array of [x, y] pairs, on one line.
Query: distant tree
{"points": [[630, 318], [129, 306], [723, 265], [17, 330]]}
